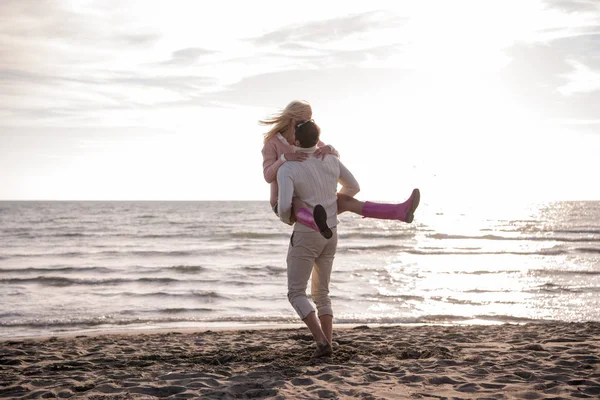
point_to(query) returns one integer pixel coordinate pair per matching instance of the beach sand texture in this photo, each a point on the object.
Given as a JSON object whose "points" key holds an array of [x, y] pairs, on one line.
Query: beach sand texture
{"points": [[532, 361]]}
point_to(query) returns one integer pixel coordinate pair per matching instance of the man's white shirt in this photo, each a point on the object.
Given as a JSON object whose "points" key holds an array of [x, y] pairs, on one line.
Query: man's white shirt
{"points": [[314, 181]]}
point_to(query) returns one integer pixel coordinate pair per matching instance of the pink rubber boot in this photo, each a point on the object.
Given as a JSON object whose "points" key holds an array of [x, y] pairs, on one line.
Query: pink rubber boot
{"points": [[316, 220], [403, 212]]}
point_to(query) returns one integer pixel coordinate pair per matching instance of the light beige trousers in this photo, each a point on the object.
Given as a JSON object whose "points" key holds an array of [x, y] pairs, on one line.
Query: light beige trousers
{"points": [[310, 253]]}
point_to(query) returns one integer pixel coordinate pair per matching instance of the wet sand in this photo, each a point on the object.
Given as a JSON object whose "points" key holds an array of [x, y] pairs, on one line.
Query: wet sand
{"points": [[532, 361]]}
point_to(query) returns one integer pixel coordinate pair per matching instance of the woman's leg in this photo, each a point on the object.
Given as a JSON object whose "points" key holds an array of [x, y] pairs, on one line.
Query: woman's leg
{"points": [[317, 219], [347, 203], [402, 212]]}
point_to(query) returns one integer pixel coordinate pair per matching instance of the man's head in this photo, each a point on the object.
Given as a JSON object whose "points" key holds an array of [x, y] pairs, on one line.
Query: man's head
{"points": [[307, 133]]}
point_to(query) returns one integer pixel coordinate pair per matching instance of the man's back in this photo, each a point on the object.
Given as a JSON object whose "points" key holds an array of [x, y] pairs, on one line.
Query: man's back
{"points": [[315, 181]]}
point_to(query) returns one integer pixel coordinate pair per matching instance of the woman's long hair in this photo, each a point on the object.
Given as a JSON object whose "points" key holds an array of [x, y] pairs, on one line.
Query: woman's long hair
{"points": [[280, 122]]}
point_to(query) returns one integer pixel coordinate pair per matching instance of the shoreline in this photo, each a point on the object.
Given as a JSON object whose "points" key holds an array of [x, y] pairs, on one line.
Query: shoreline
{"points": [[525, 361], [218, 327]]}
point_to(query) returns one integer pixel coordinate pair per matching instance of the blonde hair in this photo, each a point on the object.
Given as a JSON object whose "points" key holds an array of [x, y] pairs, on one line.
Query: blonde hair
{"points": [[297, 110]]}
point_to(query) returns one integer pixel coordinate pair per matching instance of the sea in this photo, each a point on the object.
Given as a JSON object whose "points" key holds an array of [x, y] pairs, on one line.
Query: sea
{"points": [[83, 266]]}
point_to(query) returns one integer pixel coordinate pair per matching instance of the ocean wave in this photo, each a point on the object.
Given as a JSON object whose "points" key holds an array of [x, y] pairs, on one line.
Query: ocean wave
{"points": [[111, 320], [72, 235], [390, 296], [183, 310], [104, 234], [164, 236], [194, 294], [377, 235], [552, 288], [483, 317], [424, 319], [151, 253], [382, 247], [146, 216], [428, 251], [444, 236], [540, 252], [466, 252], [63, 281], [176, 310], [579, 231], [63, 218], [554, 272], [269, 269], [68, 254], [259, 235], [10, 315], [74, 254], [487, 291], [587, 250], [182, 269], [51, 269], [91, 322], [452, 300], [546, 272], [186, 269], [480, 272]]}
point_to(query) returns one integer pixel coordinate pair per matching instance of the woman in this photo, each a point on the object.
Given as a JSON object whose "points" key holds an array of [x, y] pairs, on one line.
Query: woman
{"points": [[278, 148]]}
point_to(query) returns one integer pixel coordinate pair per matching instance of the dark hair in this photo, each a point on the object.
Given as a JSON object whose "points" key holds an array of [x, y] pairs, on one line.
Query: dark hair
{"points": [[307, 133]]}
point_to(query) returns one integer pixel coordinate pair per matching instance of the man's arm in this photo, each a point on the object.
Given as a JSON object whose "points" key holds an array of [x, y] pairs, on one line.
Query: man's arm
{"points": [[349, 183], [286, 192]]}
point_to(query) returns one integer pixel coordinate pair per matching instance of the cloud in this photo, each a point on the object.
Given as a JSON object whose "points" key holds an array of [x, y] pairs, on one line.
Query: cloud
{"points": [[31, 18], [313, 57], [187, 56], [582, 48], [574, 5], [329, 30], [538, 71], [339, 42], [30, 98], [182, 83], [331, 84], [536, 66], [33, 31], [136, 39]]}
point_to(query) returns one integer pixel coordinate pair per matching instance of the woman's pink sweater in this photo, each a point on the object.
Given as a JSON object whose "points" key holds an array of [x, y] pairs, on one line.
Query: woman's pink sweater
{"points": [[272, 151]]}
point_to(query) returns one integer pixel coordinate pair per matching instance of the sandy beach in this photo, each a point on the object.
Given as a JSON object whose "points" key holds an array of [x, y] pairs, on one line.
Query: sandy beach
{"points": [[532, 361]]}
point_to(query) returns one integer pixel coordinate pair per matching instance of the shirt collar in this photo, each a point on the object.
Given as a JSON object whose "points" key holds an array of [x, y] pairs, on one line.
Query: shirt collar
{"points": [[302, 149], [306, 149]]}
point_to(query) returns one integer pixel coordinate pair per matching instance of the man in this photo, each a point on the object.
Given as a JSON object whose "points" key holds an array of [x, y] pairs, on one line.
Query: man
{"points": [[314, 181]]}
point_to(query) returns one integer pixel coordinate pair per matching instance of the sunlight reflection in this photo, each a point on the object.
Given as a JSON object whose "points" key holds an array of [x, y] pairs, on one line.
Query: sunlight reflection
{"points": [[505, 263]]}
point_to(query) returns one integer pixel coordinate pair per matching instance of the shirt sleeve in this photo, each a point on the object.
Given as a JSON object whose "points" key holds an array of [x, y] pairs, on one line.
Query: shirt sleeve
{"points": [[350, 186], [284, 197], [271, 162]]}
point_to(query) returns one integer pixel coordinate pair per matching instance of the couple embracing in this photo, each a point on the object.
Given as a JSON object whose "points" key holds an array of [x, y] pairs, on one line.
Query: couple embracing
{"points": [[304, 174]]}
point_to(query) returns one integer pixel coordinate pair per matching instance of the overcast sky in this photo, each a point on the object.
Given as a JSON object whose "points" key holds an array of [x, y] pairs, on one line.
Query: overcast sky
{"points": [[160, 100]]}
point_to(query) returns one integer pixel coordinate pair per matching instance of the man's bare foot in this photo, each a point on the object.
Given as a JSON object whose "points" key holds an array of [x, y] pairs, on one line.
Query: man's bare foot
{"points": [[323, 350]]}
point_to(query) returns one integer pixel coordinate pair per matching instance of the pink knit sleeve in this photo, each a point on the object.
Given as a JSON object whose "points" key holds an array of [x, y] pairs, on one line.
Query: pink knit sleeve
{"points": [[271, 162]]}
